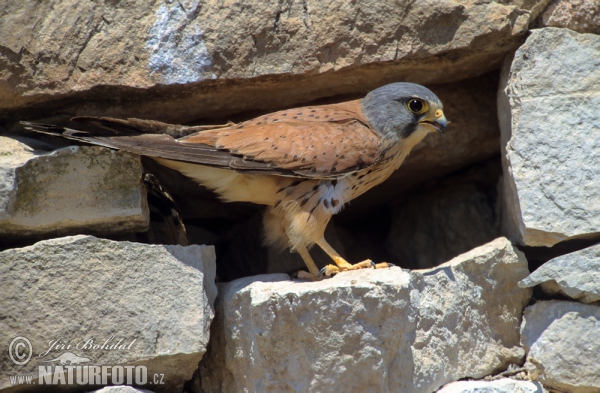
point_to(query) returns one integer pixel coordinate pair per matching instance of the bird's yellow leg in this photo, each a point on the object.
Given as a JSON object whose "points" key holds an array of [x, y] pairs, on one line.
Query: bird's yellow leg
{"points": [[341, 263], [310, 264]]}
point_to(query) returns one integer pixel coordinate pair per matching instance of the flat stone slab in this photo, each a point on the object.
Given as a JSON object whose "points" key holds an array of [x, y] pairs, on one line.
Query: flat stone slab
{"points": [[576, 275], [505, 385], [101, 54], [550, 124], [562, 343], [82, 300], [69, 190], [369, 330]]}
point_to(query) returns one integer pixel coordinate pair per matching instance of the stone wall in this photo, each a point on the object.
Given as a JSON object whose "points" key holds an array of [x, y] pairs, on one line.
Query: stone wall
{"points": [[100, 256]]}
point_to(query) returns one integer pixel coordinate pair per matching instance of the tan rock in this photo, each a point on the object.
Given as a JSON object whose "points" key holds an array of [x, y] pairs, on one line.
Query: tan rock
{"points": [[369, 330], [582, 16], [71, 190], [121, 50]]}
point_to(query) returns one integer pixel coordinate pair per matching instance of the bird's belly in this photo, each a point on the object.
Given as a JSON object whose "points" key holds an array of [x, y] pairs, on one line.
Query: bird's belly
{"points": [[230, 185]]}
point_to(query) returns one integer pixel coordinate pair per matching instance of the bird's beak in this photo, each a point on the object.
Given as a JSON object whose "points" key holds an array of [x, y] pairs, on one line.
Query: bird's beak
{"points": [[439, 123]]}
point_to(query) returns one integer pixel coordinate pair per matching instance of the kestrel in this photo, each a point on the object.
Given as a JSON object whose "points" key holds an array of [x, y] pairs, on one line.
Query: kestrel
{"points": [[304, 164]]}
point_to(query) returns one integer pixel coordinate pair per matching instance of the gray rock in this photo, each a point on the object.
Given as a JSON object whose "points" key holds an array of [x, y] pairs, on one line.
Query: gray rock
{"points": [[548, 108], [561, 340], [74, 49], [505, 385], [152, 303], [69, 190], [576, 275], [369, 330]]}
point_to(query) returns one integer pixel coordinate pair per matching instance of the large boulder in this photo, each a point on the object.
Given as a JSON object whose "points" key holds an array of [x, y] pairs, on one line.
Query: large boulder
{"points": [[103, 302], [561, 340], [69, 190], [106, 54], [369, 330], [548, 109]]}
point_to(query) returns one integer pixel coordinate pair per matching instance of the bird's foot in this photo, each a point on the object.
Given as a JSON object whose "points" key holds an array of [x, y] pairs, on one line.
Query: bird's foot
{"points": [[331, 270]]}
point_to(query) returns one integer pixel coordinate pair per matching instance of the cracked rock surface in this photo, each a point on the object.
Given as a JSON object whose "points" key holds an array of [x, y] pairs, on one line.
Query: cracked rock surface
{"points": [[369, 330], [124, 48]]}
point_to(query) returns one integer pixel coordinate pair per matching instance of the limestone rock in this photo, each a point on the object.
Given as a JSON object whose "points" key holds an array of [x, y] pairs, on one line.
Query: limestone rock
{"points": [[105, 52], [550, 125], [561, 340], [73, 189], [505, 385], [369, 330], [582, 16], [153, 304], [576, 275]]}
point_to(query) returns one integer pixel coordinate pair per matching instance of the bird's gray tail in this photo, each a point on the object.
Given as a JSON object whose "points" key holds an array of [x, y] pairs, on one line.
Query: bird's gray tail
{"points": [[125, 127]]}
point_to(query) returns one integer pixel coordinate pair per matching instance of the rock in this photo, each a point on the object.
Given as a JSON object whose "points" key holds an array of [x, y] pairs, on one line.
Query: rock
{"points": [[445, 218], [505, 385], [68, 191], [579, 15], [97, 55], [369, 330], [550, 125], [153, 304], [561, 340], [576, 275]]}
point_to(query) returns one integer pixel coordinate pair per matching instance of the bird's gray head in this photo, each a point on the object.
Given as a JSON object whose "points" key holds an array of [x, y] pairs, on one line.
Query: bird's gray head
{"points": [[400, 110]]}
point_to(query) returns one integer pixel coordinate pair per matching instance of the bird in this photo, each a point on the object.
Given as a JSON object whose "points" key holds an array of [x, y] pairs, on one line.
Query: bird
{"points": [[304, 164]]}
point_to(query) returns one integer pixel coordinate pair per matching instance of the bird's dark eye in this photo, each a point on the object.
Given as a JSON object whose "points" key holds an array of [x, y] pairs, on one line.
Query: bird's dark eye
{"points": [[417, 106]]}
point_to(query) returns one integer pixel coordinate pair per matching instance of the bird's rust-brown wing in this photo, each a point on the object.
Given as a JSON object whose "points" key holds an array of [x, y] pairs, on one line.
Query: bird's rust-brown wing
{"points": [[311, 141], [319, 141]]}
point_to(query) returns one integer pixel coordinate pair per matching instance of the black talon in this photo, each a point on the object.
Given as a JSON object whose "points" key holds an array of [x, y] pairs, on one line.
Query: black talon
{"points": [[321, 272], [390, 264], [374, 265]]}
